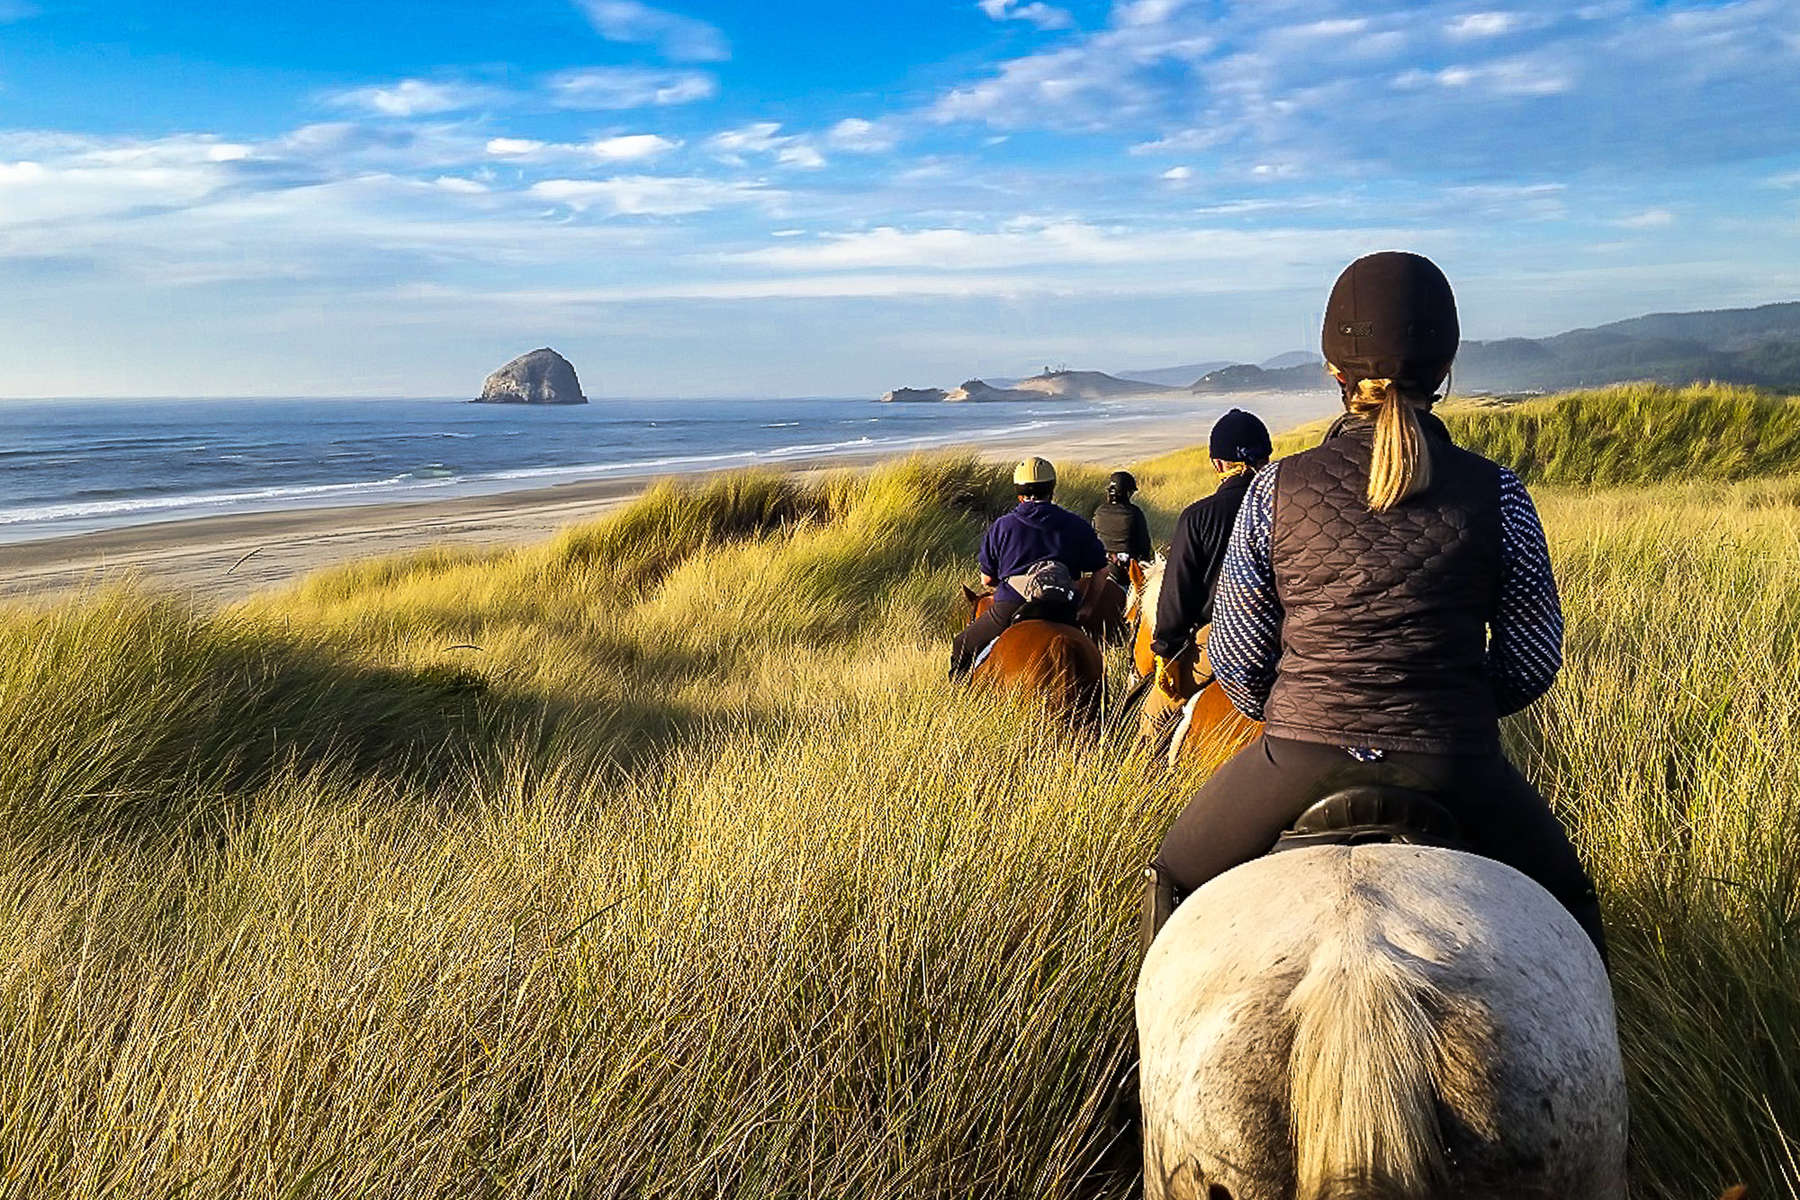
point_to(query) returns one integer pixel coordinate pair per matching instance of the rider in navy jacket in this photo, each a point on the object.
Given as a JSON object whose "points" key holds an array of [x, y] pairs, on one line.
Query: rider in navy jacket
{"points": [[1031, 533], [1034, 531]]}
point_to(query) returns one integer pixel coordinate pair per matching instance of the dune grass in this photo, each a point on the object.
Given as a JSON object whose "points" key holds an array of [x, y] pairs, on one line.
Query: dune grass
{"points": [[659, 860], [1637, 434]]}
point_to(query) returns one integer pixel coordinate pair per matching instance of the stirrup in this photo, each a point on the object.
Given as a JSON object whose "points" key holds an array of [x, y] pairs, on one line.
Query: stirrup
{"points": [[1157, 903]]}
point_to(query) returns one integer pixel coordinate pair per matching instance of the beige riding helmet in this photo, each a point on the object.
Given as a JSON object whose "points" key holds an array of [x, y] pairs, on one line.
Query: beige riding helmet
{"points": [[1034, 470]]}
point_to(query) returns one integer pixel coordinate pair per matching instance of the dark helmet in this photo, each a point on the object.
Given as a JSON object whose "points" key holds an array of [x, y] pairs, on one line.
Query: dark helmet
{"points": [[1392, 316], [1239, 436], [1120, 484]]}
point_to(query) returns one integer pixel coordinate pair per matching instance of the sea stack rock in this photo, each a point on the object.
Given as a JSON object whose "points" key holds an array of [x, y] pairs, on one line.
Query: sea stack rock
{"points": [[909, 395], [540, 377]]}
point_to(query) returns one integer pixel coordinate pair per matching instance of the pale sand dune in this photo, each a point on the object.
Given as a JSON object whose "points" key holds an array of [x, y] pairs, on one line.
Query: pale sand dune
{"points": [[223, 558]]}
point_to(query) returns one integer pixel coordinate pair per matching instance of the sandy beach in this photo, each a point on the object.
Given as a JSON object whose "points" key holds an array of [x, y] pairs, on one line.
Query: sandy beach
{"points": [[221, 558]]}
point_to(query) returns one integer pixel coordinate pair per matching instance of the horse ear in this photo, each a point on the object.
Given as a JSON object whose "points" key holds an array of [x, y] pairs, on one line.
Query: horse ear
{"points": [[1737, 1191], [969, 594]]}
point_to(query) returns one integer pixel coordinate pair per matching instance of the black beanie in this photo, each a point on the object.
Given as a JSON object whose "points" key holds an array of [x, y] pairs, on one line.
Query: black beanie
{"points": [[1239, 436], [1392, 316]]}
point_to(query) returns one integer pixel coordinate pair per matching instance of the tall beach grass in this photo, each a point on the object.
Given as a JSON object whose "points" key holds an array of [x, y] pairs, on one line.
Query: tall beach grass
{"points": [[658, 860]]}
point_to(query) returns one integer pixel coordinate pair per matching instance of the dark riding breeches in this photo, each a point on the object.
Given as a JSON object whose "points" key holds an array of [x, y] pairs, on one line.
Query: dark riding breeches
{"points": [[1240, 811], [969, 644]]}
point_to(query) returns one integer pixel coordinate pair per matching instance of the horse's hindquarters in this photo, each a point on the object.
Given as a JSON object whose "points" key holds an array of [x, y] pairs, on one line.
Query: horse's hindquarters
{"points": [[1054, 663], [1426, 1017]]}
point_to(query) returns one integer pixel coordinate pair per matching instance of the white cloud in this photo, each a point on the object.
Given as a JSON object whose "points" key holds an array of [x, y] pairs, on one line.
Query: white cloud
{"points": [[411, 98], [631, 147], [1182, 141], [1178, 174], [1472, 26], [1508, 77], [607, 88], [505, 147], [857, 136], [79, 178], [651, 195], [1650, 218], [1029, 243], [737, 146], [1042, 15], [676, 37], [460, 185], [1680, 82]]}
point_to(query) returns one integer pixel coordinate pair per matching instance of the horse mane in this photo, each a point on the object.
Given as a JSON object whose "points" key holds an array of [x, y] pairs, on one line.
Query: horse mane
{"points": [[1364, 1112], [1144, 601]]}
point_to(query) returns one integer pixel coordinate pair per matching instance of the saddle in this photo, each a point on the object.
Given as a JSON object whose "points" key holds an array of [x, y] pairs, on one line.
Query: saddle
{"points": [[1049, 592], [1371, 814], [1064, 610]]}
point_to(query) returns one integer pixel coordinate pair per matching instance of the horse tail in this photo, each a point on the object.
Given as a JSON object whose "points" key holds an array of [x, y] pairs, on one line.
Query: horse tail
{"points": [[1363, 1073]]}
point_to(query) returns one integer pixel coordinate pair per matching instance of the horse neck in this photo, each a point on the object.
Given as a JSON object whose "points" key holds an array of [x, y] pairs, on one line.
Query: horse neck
{"points": [[1152, 590]]}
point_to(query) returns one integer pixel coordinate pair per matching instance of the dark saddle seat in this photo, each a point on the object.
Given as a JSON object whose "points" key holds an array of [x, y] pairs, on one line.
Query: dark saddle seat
{"points": [[1062, 610], [1374, 813]]}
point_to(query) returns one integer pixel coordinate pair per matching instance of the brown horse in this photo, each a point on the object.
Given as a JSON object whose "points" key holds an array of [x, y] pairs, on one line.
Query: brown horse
{"points": [[1052, 662], [1102, 614], [1211, 728]]}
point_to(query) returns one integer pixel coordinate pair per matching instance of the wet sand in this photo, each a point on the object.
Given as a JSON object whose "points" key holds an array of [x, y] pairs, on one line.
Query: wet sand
{"points": [[222, 558]]}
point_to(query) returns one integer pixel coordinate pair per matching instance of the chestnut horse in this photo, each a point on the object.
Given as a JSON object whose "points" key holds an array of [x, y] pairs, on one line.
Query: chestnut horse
{"points": [[1056, 663], [1211, 728]]}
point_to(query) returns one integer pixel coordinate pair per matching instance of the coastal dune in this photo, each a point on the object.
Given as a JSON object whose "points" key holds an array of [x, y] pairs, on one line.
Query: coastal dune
{"points": [[658, 857]]}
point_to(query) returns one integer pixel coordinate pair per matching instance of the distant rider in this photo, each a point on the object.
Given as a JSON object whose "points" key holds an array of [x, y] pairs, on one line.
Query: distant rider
{"points": [[1122, 526], [1240, 447], [1386, 598], [1036, 531]]}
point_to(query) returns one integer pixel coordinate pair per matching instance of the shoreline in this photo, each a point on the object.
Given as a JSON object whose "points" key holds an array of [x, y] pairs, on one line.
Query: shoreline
{"points": [[223, 557]]}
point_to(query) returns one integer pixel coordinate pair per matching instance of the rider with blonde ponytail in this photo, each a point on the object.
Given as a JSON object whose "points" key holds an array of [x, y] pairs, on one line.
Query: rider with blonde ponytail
{"points": [[1385, 599]]}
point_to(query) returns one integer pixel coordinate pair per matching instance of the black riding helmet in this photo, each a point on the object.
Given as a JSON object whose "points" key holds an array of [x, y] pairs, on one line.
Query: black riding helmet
{"points": [[1120, 484], [1392, 316], [1239, 436]]}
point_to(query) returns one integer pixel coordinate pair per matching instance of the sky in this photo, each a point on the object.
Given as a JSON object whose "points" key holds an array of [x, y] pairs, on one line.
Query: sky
{"points": [[719, 197]]}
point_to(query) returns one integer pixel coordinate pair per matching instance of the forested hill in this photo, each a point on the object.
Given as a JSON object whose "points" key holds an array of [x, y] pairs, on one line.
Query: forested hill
{"points": [[1758, 346]]}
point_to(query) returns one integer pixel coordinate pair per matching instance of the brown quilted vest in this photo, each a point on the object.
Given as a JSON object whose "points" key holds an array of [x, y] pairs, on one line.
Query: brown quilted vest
{"points": [[1384, 638]]}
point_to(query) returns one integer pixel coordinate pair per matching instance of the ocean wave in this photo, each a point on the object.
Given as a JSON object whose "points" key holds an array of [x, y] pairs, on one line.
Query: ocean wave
{"points": [[145, 505]]}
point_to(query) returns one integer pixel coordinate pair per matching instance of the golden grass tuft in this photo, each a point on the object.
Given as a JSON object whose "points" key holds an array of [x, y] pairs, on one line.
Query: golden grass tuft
{"points": [[660, 860]]}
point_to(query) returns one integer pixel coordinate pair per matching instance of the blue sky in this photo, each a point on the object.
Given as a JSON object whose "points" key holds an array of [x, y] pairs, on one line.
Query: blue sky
{"points": [[717, 198]]}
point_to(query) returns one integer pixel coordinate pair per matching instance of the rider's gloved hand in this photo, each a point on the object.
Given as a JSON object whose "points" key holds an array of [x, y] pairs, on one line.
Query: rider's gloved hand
{"points": [[1172, 677]]}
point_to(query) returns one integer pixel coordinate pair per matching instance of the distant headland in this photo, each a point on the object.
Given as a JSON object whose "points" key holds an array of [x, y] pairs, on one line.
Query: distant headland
{"points": [[1051, 384], [1756, 346]]}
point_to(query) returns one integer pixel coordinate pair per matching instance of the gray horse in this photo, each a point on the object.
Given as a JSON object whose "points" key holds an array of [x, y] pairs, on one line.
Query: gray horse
{"points": [[1386, 1021]]}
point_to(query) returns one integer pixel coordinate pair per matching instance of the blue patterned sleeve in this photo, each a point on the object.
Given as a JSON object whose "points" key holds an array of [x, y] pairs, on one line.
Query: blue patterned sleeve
{"points": [[1245, 643], [1526, 630]]}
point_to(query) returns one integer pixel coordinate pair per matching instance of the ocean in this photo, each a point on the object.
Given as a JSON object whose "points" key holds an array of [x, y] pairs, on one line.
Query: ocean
{"points": [[71, 466]]}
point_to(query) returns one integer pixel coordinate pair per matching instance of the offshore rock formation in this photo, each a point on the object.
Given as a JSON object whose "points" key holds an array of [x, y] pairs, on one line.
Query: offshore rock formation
{"points": [[540, 377], [913, 396]]}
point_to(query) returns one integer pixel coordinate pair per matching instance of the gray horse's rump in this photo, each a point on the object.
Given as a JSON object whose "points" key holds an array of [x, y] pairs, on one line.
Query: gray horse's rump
{"points": [[1426, 1018]]}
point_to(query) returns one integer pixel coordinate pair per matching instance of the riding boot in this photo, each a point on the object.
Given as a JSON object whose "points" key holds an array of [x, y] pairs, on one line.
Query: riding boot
{"points": [[1157, 902]]}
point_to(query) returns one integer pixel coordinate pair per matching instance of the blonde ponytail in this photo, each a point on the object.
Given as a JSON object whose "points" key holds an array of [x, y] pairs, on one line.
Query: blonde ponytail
{"points": [[1401, 463]]}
